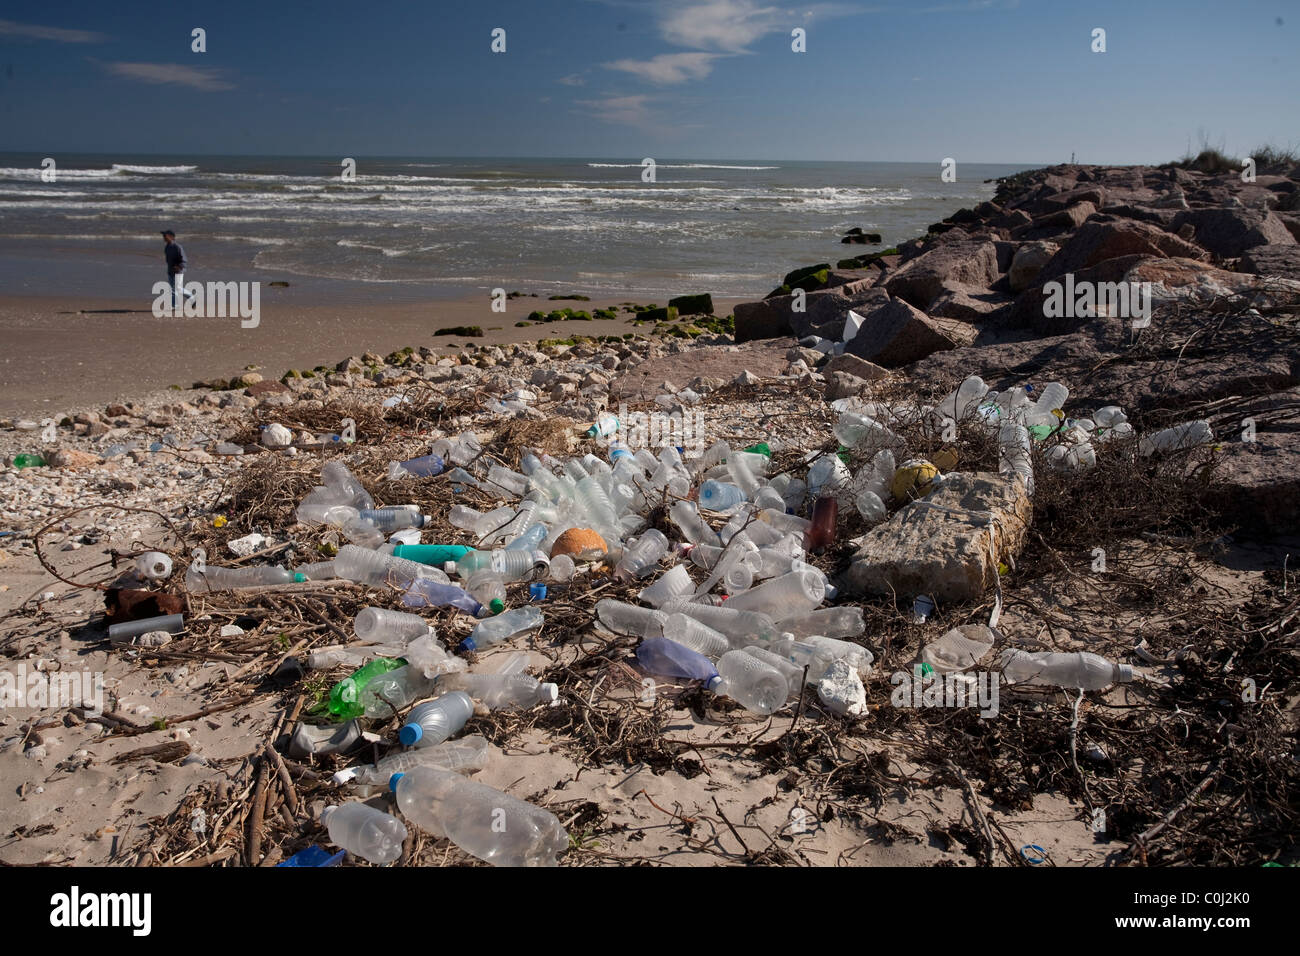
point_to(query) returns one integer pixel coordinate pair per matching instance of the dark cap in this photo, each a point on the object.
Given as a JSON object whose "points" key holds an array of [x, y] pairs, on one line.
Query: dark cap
{"points": [[168, 232]]}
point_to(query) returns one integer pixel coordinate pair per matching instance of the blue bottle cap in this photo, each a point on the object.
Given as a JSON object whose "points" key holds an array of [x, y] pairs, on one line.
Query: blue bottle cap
{"points": [[410, 734], [537, 591], [392, 781], [467, 645]]}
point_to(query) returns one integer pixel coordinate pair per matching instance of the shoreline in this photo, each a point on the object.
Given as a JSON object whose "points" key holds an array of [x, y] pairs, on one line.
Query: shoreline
{"points": [[63, 353]]}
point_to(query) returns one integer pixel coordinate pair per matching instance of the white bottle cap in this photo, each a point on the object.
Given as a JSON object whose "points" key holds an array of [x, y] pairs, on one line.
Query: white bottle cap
{"points": [[325, 814], [1123, 673], [550, 693], [343, 776]]}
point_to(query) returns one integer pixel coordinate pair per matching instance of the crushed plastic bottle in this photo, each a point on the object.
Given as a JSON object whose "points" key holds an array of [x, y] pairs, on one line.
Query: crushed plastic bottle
{"points": [[1080, 670], [362, 830]]}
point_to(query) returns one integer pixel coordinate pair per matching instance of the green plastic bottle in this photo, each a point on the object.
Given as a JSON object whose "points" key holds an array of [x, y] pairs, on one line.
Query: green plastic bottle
{"points": [[434, 554], [760, 449], [28, 461], [345, 696]]}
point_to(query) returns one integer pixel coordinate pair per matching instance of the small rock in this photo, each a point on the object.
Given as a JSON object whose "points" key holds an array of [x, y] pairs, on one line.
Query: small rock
{"points": [[841, 690]]}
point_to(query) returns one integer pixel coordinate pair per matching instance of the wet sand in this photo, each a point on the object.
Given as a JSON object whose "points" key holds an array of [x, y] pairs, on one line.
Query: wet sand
{"points": [[61, 352]]}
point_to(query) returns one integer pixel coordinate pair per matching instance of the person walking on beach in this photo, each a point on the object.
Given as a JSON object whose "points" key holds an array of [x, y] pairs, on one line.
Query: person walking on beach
{"points": [[176, 263]]}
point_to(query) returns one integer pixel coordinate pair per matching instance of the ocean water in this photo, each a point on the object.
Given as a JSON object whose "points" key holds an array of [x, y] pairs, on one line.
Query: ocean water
{"points": [[410, 228]]}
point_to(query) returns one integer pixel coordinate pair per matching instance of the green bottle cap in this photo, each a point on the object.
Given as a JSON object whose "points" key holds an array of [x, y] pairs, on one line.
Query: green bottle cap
{"points": [[496, 605]]}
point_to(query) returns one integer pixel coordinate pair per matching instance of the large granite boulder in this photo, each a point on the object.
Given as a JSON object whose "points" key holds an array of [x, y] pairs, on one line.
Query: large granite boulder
{"points": [[1230, 231], [896, 334], [920, 281]]}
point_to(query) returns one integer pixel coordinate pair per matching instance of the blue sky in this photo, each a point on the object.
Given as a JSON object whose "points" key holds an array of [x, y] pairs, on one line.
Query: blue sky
{"points": [[987, 81]]}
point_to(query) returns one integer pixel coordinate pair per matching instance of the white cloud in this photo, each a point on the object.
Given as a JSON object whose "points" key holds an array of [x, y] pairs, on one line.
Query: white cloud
{"points": [[730, 25], [35, 32], [624, 110], [197, 78], [573, 79], [668, 68]]}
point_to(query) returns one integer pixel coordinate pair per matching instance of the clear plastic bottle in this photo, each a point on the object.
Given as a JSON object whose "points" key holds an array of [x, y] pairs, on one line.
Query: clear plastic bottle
{"points": [[466, 755], [379, 570], [153, 566], [793, 674], [501, 691], [740, 626], [486, 587], [375, 625], [787, 596], [436, 720], [742, 474], [686, 516], [689, 632], [641, 559], [755, 685], [425, 466], [317, 571], [479, 523], [363, 831], [958, 649], [427, 655], [335, 476], [222, 579], [624, 618], [854, 430], [429, 593], [659, 655], [507, 564], [396, 690], [1014, 454], [354, 656], [828, 475], [507, 480], [855, 654], [1186, 435], [720, 495], [827, 621], [675, 584], [389, 520], [1080, 670], [962, 402], [486, 823], [1052, 398], [530, 539], [502, 627]]}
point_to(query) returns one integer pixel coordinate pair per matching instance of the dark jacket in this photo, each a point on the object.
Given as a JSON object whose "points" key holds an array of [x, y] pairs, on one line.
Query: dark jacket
{"points": [[175, 258]]}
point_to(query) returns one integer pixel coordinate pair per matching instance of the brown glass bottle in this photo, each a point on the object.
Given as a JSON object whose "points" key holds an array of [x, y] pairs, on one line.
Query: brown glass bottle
{"points": [[822, 533]]}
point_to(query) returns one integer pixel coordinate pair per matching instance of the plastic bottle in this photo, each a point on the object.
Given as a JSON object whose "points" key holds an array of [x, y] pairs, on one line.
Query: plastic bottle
{"points": [[466, 755], [486, 587], [675, 584], [604, 426], [740, 626], [689, 632], [484, 822], [435, 720], [335, 475], [958, 649], [425, 592], [786, 596], [659, 655], [460, 450], [427, 655], [828, 475], [380, 570], [858, 656], [499, 691], [389, 520], [396, 690], [432, 554], [640, 560], [530, 540], [316, 571], [624, 618], [503, 626], [1080, 670], [1186, 435], [755, 685], [1052, 398], [1014, 454], [793, 674], [822, 533], [354, 656], [828, 621], [28, 461], [742, 474], [686, 516], [425, 466], [374, 625], [509, 565], [720, 496], [962, 402], [222, 579], [345, 696], [362, 830]]}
